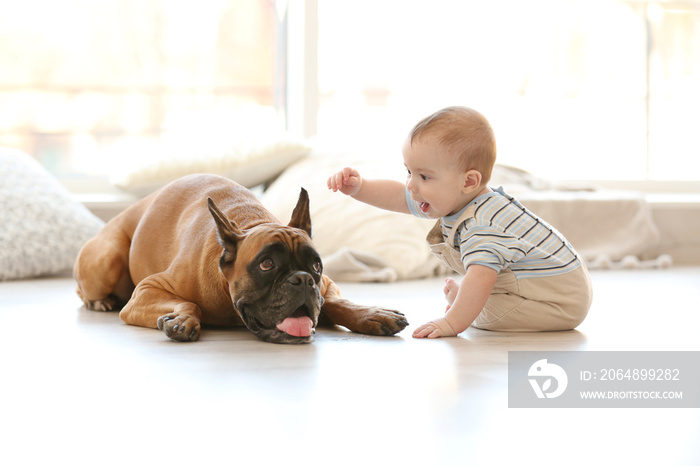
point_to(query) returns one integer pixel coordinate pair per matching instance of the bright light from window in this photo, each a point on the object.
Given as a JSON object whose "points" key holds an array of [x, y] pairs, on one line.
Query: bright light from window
{"points": [[564, 82], [81, 80]]}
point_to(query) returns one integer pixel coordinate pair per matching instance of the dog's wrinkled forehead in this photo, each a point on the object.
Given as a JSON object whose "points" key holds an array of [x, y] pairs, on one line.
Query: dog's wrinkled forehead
{"points": [[292, 238], [282, 250]]}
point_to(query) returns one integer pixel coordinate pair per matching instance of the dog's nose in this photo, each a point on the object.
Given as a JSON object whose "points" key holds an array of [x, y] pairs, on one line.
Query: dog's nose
{"points": [[301, 279]]}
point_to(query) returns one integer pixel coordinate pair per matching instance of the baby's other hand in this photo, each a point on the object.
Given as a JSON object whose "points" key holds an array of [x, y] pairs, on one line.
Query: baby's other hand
{"points": [[435, 329], [347, 181]]}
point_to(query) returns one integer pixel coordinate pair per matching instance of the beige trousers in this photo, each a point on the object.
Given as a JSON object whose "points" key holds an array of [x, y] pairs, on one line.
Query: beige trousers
{"points": [[558, 302]]}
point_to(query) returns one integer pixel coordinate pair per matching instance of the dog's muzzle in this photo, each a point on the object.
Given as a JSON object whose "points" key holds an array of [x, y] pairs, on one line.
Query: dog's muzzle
{"points": [[297, 323]]}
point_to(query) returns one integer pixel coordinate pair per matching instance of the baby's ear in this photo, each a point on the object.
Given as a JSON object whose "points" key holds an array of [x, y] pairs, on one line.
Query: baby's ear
{"points": [[472, 180]]}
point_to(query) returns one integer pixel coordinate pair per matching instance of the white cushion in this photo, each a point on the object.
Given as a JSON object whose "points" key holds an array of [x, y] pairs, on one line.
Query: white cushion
{"points": [[357, 242], [42, 227], [249, 160]]}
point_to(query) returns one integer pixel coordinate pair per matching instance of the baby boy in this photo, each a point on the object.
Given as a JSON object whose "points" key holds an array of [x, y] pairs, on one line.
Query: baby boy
{"points": [[519, 273]]}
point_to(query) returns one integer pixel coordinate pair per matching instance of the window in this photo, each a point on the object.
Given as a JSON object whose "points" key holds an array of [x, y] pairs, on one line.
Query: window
{"points": [[81, 82], [595, 89], [575, 89]]}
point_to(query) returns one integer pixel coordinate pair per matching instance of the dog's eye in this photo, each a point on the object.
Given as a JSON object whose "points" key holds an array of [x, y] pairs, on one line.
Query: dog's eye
{"points": [[267, 264], [317, 267]]}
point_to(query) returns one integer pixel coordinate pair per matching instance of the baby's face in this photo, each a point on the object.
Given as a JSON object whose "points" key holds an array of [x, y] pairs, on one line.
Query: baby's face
{"points": [[434, 180]]}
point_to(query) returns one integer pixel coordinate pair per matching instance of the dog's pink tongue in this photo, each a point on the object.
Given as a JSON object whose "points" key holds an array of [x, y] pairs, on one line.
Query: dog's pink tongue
{"points": [[297, 326]]}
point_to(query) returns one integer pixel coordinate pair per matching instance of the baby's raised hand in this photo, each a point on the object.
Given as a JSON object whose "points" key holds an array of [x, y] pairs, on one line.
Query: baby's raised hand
{"points": [[435, 329], [347, 181]]}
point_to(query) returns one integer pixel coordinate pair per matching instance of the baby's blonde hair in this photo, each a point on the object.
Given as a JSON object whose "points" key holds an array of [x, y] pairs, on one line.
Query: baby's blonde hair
{"points": [[465, 134]]}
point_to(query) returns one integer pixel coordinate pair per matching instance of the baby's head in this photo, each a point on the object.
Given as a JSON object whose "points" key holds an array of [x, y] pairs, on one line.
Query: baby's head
{"points": [[465, 136]]}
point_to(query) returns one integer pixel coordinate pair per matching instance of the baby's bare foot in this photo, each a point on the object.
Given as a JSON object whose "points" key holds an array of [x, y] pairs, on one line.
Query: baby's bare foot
{"points": [[450, 290]]}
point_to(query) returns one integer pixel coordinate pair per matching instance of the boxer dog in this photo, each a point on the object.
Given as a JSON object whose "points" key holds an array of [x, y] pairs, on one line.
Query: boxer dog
{"points": [[204, 251]]}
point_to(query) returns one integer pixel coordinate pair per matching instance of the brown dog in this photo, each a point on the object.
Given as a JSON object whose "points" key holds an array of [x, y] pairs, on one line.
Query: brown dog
{"points": [[203, 250]]}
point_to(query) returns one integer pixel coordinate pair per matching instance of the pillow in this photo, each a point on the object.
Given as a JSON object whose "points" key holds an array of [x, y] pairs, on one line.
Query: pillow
{"points": [[249, 161], [42, 227], [357, 242]]}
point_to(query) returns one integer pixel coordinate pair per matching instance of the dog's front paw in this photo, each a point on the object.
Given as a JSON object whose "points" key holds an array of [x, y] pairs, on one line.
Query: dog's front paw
{"points": [[379, 321], [180, 327]]}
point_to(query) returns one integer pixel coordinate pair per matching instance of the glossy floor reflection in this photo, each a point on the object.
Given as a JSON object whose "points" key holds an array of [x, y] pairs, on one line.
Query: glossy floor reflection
{"points": [[81, 386]]}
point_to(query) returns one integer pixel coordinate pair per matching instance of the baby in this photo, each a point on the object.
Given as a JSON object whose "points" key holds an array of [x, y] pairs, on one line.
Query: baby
{"points": [[520, 274]]}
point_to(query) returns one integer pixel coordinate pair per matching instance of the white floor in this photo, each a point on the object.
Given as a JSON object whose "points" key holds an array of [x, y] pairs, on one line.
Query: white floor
{"points": [[81, 387]]}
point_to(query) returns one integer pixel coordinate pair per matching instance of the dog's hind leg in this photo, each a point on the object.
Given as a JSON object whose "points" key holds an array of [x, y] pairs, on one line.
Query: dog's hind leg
{"points": [[153, 305], [102, 271]]}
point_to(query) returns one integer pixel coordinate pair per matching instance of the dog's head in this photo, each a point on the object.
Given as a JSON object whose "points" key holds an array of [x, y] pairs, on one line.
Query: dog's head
{"points": [[274, 274]]}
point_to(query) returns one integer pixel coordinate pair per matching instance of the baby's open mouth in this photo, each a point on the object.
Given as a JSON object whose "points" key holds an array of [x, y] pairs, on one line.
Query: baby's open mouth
{"points": [[424, 206]]}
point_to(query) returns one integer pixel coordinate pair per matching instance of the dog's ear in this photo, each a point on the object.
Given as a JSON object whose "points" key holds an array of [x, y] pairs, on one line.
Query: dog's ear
{"points": [[227, 232], [301, 218]]}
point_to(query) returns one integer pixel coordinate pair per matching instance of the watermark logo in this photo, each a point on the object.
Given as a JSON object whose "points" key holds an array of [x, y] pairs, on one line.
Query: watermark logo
{"points": [[604, 379], [546, 372]]}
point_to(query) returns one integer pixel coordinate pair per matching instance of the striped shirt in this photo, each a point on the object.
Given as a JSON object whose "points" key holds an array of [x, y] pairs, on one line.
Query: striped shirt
{"points": [[504, 234]]}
